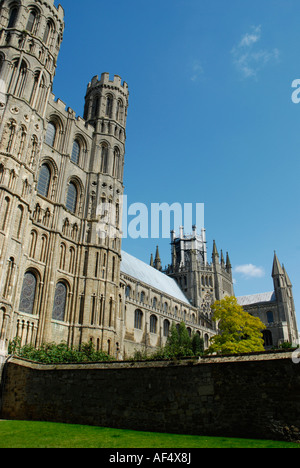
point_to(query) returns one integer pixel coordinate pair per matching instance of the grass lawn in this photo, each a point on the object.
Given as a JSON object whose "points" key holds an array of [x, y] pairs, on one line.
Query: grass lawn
{"points": [[22, 434]]}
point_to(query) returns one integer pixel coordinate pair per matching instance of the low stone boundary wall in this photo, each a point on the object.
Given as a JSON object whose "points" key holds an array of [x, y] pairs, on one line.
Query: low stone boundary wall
{"points": [[248, 396], [3, 357]]}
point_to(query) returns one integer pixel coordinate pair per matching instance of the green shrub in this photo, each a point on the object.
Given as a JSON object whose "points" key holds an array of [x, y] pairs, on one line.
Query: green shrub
{"points": [[52, 353], [179, 345]]}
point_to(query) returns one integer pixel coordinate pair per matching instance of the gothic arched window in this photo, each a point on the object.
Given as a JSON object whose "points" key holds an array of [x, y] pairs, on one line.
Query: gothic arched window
{"points": [[270, 317], [13, 17], [5, 210], [109, 105], [116, 167], [96, 107], [128, 291], [153, 324], [71, 202], [50, 134], [31, 21], [60, 301], [120, 110], [41, 94], [104, 159], [75, 152], [138, 319], [49, 33], [166, 328], [18, 78], [28, 293], [44, 181], [11, 136]]}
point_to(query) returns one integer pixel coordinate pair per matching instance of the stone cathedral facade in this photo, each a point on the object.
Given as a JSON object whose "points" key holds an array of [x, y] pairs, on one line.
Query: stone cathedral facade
{"points": [[63, 276]]}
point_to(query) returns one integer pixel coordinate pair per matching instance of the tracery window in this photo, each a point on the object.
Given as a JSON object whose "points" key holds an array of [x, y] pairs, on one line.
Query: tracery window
{"points": [[71, 202], [270, 317], [153, 324], [128, 291], [116, 167], [12, 17], [49, 33], [20, 84], [19, 221], [44, 181], [71, 260], [96, 107], [138, 319], [32, 19], [28, 293], [60, 301], [75, 152], [50, 134], [5, 210], [11, 136], [104, 159], [166, 328], [109, 105], [120, 110]]}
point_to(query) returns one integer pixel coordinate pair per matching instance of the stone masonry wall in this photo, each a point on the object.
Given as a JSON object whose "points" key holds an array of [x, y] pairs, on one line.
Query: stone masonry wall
{"points": [[254, 396]]}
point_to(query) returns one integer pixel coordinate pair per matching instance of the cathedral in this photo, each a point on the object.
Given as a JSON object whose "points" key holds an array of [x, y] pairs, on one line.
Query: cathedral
{"points": [[63, 274]]}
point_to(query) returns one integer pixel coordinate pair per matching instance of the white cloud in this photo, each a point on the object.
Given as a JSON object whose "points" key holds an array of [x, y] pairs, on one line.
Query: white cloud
{"points": [[252, 37], [250, 271], [248, 58], [196, 70]]}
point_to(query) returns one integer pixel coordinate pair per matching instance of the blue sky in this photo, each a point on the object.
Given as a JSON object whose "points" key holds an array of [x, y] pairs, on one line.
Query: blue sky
{"points": [[211, 119]]}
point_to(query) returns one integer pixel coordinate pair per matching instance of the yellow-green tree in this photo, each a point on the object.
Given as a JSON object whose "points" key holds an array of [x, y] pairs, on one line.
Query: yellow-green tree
{"points": [[239, 332]]}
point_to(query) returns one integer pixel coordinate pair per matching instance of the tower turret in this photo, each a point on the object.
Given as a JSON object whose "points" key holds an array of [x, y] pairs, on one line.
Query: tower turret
{"points": [[157, 261], [31, 36], [284, 297], [228, 264], [106, 105], [215, 254]]}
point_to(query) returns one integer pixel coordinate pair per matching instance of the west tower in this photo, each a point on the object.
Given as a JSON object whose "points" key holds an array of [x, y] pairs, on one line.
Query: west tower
{"points": [[61, 188], [30, 39]]}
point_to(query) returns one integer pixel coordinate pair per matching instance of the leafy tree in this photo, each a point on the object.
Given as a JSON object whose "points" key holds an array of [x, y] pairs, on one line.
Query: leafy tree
{"points": [[197, 344], [180, 344], [240, 332]]}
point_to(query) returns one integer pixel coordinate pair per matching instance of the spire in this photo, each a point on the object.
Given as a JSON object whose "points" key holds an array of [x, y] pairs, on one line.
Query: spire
{"points": [[157, 261], [215, 255], [173, 255], [222, 259], [228, 263], [277, 270], [288, 281]]}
